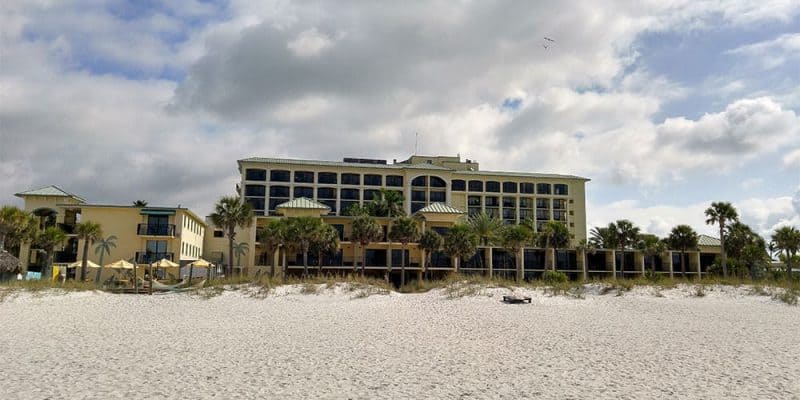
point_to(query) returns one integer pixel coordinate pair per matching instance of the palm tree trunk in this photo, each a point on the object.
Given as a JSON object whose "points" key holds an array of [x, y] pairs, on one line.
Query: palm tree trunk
{"points": [[403, 265], [363, 260], [724, 253], [319, 263], [272, 264], [85, 258], [229, 273], [683, 264], [285, 266], [305, 261]]}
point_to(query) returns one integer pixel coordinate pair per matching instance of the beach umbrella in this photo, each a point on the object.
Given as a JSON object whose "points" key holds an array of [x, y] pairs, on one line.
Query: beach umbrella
{"points": [[162, 263], [199, 263], [122, 264], [89, 263]]}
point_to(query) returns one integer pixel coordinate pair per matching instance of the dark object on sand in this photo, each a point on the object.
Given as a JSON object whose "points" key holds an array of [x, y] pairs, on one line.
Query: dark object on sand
{"points": [[511, 299]]}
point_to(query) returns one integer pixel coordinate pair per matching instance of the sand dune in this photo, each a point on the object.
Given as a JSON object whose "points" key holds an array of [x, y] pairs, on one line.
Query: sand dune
{"points": [[727, 344]]}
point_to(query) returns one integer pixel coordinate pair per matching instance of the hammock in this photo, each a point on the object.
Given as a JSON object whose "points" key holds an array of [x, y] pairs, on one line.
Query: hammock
{"points": [[162, 286]]}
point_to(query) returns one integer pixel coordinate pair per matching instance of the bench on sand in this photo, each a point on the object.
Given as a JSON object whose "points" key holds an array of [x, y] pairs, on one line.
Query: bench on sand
{"points": [[512, 299]]}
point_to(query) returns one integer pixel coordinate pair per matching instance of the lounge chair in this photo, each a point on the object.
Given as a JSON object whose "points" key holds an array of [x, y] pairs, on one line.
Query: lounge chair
{"points": [[514, 299]]}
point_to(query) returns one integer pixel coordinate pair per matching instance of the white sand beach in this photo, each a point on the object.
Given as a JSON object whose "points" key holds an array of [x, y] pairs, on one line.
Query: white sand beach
{"points": [[91, 345]]}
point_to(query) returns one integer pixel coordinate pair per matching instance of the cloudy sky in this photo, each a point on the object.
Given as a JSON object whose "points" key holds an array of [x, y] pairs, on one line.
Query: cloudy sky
{"points": [[666, 105]]}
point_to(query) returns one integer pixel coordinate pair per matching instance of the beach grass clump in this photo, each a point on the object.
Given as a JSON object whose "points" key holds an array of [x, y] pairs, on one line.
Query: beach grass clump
{"points": [[759, 290], [37, 285], [554, 277], [699, 291], [788, 296], [309, 288]]}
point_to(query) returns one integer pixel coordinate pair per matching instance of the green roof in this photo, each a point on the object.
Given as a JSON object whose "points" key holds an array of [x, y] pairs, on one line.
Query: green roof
{"points": [[303, 203], [705, 240], [157, 211], [289, 161], [439, 208], [51, 190]]}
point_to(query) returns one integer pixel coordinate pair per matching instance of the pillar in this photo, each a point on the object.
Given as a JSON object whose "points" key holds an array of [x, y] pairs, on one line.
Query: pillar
{"points": [[669, 265], [487, 261], [639, 261]]}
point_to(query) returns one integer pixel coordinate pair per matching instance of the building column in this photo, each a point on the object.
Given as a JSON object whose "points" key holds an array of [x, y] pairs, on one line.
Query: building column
{"points": [[639, 261], [24, 256], [582, 263], [613, 256], [696, 261], [669, 264]]}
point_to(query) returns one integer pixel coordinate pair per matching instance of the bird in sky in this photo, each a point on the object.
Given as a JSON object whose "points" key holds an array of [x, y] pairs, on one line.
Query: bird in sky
{"points": [[549, 40]]}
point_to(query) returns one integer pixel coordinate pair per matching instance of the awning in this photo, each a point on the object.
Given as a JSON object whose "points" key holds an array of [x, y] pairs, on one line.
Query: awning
{"points": [[155, 211]]}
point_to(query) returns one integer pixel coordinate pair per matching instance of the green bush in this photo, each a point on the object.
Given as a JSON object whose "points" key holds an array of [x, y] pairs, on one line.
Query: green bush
{"points": [[553, 277]]}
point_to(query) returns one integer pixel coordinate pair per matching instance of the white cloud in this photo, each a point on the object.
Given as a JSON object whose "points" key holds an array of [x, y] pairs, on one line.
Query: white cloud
{"points": [[772, 53], [792, 159], [309, 43]]}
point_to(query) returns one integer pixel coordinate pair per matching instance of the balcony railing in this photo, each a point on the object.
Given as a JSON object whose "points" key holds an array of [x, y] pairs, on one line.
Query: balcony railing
{"points": [[156, 230], [146, 257]]}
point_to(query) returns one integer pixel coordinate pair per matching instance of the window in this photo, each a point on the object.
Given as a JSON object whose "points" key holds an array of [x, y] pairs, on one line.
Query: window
{"points": [[370, 194], [416, 207], [304, 191], [373, 180], [437, 182], [475, 186], [279, 191], [346, 206], [474, 201], [542, 214], [509, 214], [491, 201], [329, 203], [437, 197], [351, 179], [351, 194], [420, 181], [525, 202], [542, 203], [255, 190], [279, 176], [273, 203], [303, 176], [560, 189], [509, 202], [326, 177], [418, 195], [458, 185], [255, 174], [493, 186], [394, 180], [509, 187], [543, 188], [256, 202], [559, 204], [560, 215], [339, 228], [526, 187], [326, 193], [157, 246], [218, 233]]}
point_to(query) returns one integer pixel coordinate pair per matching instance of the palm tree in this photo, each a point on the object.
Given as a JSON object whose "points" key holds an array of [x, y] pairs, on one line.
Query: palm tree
{"points": [[460, 242], [651, 246], [787, 240], [606, 238], [386, 203], [240, 249], [404, 230], [720, 213], [230, 213], [103, 247], [365, 231], [48, 240], [553, 234], [140, 203], [302, 232], [627, 233], [513, 238], [16, 226], [89, 232], [682, 237], [272, 238], [585, 247], [485, 226], [326, 240], [430, 242]]}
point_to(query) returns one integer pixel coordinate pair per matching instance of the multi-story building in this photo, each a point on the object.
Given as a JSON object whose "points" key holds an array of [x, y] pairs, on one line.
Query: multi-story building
{"points": [[143, 234], [427, 183]]}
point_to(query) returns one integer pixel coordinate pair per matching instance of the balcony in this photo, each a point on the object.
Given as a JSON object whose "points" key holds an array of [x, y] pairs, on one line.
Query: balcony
{"points": [[64, 257], [147, 257], [69, 229], [155, 230]]}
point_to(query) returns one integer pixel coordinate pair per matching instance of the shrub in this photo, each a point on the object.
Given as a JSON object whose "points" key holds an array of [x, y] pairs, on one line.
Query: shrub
{"points": [[788, 296], [553, 277]]}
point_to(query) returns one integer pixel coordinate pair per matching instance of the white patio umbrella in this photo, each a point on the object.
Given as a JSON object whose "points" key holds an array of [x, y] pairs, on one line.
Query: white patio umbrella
{"points": [[89, 263], [122, 264]]}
